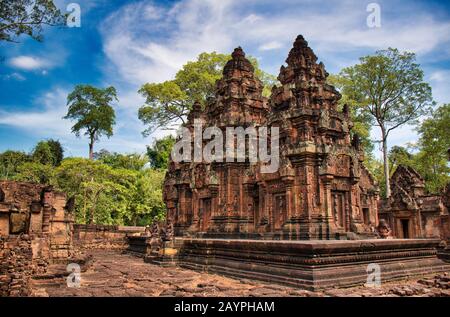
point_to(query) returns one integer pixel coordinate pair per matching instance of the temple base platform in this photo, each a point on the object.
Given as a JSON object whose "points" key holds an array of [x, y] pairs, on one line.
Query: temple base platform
{"points": [[313, 265]]}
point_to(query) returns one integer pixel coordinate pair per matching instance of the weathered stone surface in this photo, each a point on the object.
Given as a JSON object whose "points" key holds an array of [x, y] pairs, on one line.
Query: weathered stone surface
{"points": [[320, 191], [115, 274], [313, 264], [410, 212], [86, 237], [18, 265], [35, 229]]}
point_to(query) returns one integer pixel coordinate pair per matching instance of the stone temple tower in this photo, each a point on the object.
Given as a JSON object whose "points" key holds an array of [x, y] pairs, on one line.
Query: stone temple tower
{"points": [[321, 190]]}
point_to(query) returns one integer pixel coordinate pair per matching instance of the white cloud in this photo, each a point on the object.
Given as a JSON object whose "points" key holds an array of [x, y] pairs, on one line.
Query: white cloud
{"points": [[272, 45], [14, 76], [148, 43], [28, 62]]}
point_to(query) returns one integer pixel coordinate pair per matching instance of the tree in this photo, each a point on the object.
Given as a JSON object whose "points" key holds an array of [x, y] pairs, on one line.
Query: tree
{"points": [[90, 106], [35, 172], [433, 146], [159, 153], [390, 87], [168, 103], [147, 203], [42, 154], [10, 162], [132, 161], [27, 17], [57, 151], [399, 155]]}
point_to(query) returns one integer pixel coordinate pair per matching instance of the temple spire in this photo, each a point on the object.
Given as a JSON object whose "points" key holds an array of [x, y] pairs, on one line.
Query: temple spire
{"points": [[238, 62]]}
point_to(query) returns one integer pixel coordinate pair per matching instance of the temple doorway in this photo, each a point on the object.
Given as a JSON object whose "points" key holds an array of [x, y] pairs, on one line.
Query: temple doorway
{"points": [[405, 228]]}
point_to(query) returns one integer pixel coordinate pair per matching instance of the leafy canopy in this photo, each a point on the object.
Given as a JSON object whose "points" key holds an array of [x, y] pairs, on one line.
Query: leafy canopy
{"points": [[27, 17], [92, 110], [159, 153], [389, 86], [433, 146]]}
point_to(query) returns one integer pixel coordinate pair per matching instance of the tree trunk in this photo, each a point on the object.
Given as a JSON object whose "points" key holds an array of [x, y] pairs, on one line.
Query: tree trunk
{"points": [[91, 149], [386, 163]]}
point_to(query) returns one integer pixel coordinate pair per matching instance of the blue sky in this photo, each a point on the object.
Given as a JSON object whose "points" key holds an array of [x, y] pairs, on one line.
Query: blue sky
{"points": [[129, 43]]}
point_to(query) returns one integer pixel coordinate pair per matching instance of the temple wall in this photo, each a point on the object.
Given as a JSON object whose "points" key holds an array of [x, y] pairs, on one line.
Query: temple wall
{"points": [[87, 237], [20, 258]]}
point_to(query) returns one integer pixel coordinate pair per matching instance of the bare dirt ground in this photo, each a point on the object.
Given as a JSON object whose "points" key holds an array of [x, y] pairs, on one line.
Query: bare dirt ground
{"points": [[116, 274]]}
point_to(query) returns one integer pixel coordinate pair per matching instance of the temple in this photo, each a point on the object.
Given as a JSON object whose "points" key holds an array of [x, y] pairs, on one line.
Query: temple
{"points": [[321, 189], [410, 212]]}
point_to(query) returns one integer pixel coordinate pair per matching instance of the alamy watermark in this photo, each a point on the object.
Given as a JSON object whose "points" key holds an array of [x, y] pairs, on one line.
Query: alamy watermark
{"points": [[190, 147], [74, 17], [373, 275], [74, 278], [374, 18]]}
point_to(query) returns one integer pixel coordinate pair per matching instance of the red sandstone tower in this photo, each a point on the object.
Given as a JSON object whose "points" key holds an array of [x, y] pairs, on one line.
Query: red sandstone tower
{"points": [[321, 189]]}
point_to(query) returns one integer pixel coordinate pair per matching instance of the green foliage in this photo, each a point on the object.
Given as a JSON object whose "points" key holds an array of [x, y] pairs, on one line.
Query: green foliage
{"points": [[57, 151], [132, 161], [433, 144], [197, 79], [35, 172], [398, 155], [27, 17], [146, 203], [159, 153], [90, 107], [43, 154], [10, 162], [167, 104], [376, 169], [429, 156], [108, 195], [389, 87]]}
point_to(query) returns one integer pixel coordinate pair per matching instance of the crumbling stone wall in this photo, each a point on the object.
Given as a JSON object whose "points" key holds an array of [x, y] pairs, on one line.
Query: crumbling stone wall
{"points": [[87, 237], [35, 230], [18, 263]]}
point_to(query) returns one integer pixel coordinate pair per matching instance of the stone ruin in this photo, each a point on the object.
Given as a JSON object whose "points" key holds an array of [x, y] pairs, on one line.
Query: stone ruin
{"points": [[410, 212], [321, 190], [35, 230], [229, 218]]}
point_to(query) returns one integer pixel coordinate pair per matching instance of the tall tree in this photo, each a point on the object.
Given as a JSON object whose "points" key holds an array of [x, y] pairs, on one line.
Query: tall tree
{"points": [[27, 17], [167, 104], [390, 87], [159, 153], [92, 109]]}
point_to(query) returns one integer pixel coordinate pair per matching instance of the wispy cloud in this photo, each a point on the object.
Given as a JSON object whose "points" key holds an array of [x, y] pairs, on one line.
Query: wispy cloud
{"points": [[272, 45], [28, 62], [44, 123]]}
